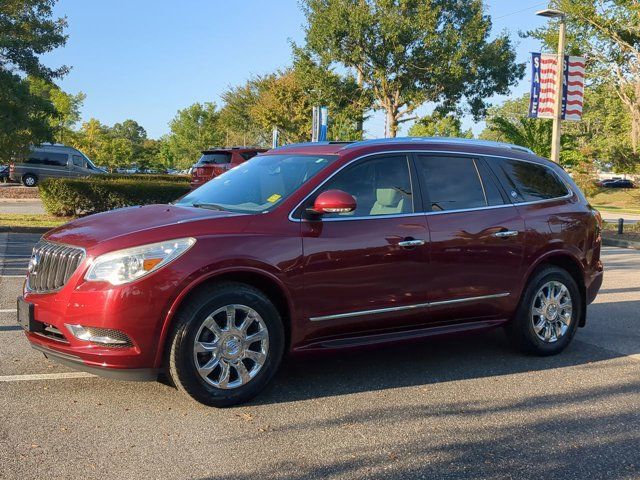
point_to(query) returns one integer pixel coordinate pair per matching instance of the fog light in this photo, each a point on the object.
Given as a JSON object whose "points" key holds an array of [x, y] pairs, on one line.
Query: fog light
{"points": [[102, 336]]}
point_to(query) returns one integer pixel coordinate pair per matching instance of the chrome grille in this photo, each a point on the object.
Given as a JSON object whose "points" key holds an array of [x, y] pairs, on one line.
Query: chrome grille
{"points": [[52, 265]]}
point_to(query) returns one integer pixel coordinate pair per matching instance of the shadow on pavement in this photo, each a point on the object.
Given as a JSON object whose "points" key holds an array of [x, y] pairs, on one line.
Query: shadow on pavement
{"points": [[432, 361]]}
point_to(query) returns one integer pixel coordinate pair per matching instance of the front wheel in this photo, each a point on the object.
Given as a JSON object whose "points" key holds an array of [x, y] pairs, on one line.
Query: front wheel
{"points": [[548, 314], [227, 344]]}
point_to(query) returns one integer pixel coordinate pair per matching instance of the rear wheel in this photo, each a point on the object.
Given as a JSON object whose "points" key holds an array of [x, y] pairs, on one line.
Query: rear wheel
{"points": [[548, 314], [227, 344], [29, 180]]}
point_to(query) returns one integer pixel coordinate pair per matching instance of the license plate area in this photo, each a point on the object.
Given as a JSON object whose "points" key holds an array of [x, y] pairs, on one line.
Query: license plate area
{"points": [[26, 317]]}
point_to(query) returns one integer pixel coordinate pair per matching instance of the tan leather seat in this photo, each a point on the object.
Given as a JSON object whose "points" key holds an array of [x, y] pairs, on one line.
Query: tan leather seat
{"points": [[388, 201]]}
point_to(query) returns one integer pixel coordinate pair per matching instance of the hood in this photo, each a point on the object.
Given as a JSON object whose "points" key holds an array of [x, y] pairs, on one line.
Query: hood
{"points": [[144, 222]]}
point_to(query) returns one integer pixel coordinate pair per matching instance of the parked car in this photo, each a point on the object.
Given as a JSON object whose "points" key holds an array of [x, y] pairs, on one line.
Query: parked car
{"points": [[216, 161], [616, 183], [4, 173], [51, 160], [313, 248]]}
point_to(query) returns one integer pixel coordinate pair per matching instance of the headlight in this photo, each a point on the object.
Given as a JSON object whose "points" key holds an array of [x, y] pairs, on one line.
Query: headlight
{"points": [[124, 266]]}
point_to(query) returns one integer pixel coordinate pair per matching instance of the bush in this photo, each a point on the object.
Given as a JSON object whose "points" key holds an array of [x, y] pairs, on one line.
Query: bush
{"points": [[145, 177], [84, 196]]}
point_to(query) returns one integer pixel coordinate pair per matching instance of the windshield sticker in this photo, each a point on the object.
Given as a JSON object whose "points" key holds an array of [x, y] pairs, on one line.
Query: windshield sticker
{"points": [[274, 198]]}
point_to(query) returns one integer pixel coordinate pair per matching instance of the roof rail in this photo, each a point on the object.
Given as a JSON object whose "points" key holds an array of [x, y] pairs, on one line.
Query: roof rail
{"points": [[311, 144], [454, 140]]}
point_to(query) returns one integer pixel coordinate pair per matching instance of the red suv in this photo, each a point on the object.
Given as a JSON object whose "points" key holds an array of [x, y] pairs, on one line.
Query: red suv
{"points": [[318, 247], [214, 162]]}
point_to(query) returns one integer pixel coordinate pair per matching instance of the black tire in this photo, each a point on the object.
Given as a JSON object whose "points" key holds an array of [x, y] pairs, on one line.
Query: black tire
{"points": [[180, 362], [521, 328], [29, 180]]}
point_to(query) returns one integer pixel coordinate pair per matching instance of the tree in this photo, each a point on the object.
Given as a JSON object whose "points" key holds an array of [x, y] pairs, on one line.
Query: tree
{"points": [[67, 107], [608, 33], [235, 117], [346, 100], [136, 135], [192, 130], [282, 103], [509, 123], [26, 32], [437, 125], [414, 51], [91, 139]]}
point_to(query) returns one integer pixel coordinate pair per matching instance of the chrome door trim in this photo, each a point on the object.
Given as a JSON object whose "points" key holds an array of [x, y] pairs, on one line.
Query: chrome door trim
{"points": [[406, 307], [507, 234], [411, 243], [415, 214]]}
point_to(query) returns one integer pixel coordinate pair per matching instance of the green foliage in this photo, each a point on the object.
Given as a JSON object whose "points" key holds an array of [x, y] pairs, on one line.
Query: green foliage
{"points": [[67, 107], [24, 117], [510, 123], [607, 32], [415, 51], [236, 122], [145, 178], [192, 130], [84, 196], [438, 125], [26, 32]]}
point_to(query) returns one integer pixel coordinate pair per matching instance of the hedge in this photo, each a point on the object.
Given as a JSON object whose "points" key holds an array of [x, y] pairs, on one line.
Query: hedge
{"points": [[84, 196], [145, 177]]}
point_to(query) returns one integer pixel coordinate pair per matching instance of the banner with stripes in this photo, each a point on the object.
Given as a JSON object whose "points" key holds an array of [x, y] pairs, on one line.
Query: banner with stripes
{"points": [[541, 104]]}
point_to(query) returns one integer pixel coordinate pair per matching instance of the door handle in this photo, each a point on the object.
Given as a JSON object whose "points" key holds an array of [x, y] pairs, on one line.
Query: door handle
{"points": [[506, 234], [411, 242]]}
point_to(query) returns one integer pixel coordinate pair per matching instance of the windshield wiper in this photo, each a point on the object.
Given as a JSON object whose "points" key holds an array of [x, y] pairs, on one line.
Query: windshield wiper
{"points": [[210, 206]]}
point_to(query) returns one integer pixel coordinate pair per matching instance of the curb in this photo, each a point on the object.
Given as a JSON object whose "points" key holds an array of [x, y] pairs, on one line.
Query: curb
{"points": [[614, 242], [39, 230]]}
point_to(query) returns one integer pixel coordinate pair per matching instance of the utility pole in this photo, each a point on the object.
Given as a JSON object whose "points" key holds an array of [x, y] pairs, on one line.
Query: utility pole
{"points": [[557, 112]]}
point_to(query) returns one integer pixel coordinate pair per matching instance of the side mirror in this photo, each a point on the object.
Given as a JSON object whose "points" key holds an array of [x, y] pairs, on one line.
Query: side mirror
{"points": [[333, 201]]}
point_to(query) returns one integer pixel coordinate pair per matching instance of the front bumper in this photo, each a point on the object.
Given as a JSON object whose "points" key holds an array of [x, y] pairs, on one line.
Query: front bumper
{"points": [[71, 361], [138, 310]]}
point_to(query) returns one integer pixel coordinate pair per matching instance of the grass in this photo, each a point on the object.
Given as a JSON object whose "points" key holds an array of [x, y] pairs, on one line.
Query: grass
{"points": [[628, 227], [620, 200], [31, 220]]}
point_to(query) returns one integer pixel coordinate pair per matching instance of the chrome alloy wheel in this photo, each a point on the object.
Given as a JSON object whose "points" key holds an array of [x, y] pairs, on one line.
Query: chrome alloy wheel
{"points": [[231, 346], [551, 311]]}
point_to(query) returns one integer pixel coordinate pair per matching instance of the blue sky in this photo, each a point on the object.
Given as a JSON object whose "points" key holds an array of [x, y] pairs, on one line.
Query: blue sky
{"points": [[145, 59]]}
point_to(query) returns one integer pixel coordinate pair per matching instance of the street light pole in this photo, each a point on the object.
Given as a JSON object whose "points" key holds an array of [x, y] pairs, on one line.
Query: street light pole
{"points": [[557, 111]]}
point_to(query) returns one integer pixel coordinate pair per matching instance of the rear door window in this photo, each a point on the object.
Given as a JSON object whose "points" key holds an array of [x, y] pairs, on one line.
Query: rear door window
{"points": [[455, 183], [217, 158], [530, 182]]}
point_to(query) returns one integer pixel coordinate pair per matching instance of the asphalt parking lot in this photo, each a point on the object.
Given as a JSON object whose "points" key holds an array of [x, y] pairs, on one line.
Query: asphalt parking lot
{"points": [[454, 408]]}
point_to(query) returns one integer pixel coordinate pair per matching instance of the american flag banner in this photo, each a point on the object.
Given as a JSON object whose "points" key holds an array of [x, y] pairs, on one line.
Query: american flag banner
{"points": [[544, 67]]}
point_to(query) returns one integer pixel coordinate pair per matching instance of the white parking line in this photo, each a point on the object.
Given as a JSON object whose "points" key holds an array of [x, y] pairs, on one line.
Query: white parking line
{"points": [[44, 376], [7, 310], [12, 276]]}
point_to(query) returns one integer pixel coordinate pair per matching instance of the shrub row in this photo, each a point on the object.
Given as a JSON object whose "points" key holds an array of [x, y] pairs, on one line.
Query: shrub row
{"points": [[145, 177], [84, 196]]}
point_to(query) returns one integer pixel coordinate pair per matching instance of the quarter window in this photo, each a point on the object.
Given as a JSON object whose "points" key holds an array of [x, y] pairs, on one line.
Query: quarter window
{"points": [[381, 186], [530, 182], [456, 183], [78, 161]]}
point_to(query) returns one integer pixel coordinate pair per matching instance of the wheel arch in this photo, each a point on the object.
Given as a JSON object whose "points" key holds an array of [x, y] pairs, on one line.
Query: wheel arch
{"points": [[571, 265], [259, 279]]}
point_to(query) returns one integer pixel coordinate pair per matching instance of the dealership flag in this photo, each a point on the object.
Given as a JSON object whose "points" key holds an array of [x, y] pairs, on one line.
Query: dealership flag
{"points": [[543, 86]]}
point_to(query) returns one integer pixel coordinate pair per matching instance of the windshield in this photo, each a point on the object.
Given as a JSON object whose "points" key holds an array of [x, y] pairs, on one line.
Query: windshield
{"points": [[259, 184]]}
